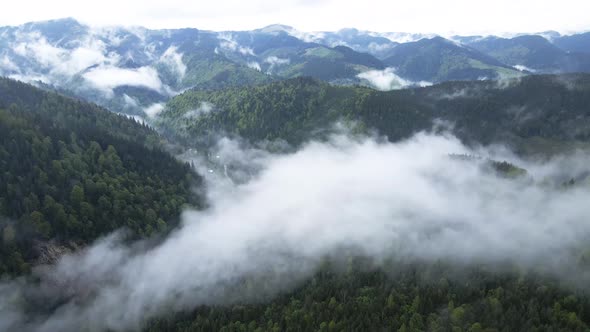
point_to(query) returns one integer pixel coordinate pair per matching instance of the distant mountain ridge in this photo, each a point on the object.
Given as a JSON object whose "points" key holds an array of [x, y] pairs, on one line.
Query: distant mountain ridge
{"points": [[438, 59], [533, 53], [135, 70], [94, 63]]}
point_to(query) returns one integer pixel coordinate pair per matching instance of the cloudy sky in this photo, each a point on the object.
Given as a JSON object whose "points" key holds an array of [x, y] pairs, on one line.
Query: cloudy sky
{"points": [[450, 16]]}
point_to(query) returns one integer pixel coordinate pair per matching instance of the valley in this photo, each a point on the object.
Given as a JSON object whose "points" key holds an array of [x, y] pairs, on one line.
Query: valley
{"points": [[280, 180]]}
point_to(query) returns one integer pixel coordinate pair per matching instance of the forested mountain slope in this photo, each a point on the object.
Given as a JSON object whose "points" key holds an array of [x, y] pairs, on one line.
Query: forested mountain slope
{"points": [[574, 43], [71, 172], [110, 172], [413, 298], [520, 112], [378, 229], [438, 59], [533, 53], [534, 114]]}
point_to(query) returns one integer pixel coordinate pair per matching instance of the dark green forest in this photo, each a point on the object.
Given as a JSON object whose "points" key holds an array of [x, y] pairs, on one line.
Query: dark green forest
{"points": [[533, 114], [71, 172], [402, 297]]}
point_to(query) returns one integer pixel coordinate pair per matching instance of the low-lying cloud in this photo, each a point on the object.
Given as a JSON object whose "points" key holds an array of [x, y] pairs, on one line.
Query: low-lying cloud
{"points": [[173, 59], [372, 198], [387, 79], [254, 65], [227, 42], [379, 48], [7, 65], [109, 77], [274, 62], [62, 62], [154, 110], [403, 37], [524, 68], [203, 109], [90, 62]]}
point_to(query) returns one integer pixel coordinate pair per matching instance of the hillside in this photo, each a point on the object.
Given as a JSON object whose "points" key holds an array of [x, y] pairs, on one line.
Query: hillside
{"points": [[361, 41], [534, 114], [439, 59], [532, 111], [277, 53], [71, 172], [351, 180], [533, 53], [414, 298], [574, 43]]}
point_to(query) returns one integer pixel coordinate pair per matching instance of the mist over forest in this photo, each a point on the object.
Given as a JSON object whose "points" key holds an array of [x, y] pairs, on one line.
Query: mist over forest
{"points": [[281, 180]]}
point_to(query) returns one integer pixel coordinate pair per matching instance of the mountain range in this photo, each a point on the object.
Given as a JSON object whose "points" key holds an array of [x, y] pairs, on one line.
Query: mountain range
{"points": [[134, 70], [72, 172], [239, 205]]}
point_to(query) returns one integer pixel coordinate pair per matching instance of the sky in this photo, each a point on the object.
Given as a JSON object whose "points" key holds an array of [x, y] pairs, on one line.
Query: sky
{"points": [[426, 16]]}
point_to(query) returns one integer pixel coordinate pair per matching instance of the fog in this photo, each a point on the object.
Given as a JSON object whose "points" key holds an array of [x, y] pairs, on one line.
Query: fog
{"points": [[387, 79], [274, 62], [89, 59], [227, 42], [272, 218], [203, 109]]}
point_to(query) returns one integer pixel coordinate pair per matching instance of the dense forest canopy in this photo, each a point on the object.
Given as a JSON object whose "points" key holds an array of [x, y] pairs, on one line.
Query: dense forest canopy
{"points": [[414, 297], [277, 179], [71, 172], [531, 114]]}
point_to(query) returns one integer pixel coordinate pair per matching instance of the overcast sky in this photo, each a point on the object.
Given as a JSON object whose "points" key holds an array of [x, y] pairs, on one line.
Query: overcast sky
{"points": [[444, 17]]}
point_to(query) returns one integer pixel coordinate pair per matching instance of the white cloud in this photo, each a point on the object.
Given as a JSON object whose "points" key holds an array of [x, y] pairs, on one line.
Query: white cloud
{"points": [[130, 102], [309, 37], [228, 42], [114, 35], [109, 77], [387, 79], [274, 62], [173, 59], [457, 93], [80, 59], [6, 64], [524, 68], [403, 37], [203, 109], [341, 43], [254, 65], [153, 110], [376, 47], [57, 63], [40, 50], [407, 200]]}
